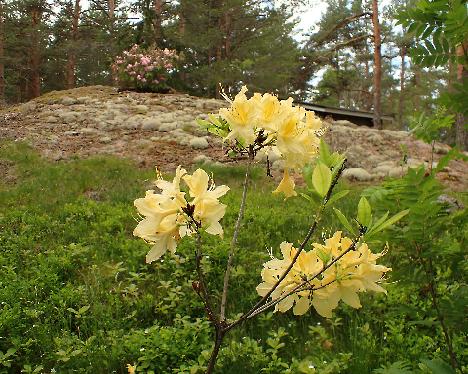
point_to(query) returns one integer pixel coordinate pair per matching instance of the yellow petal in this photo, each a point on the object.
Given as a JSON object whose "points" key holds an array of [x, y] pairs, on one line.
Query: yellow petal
{"points": [[156, 251], [350, 297], [263, 288], [286, 185], [286, 304], [302, 306], [323, 307]]}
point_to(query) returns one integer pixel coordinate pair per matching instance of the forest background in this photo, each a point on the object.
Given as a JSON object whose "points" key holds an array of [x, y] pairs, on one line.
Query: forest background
{"points": [[347, 59]]}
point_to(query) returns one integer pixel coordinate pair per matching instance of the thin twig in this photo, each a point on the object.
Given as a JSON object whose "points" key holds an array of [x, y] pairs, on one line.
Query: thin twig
{"points": [[201, 288], [234, 241]]}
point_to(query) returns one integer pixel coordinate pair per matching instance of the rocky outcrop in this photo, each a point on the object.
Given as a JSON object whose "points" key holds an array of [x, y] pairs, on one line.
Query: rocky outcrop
{"points": [[161, 130]]}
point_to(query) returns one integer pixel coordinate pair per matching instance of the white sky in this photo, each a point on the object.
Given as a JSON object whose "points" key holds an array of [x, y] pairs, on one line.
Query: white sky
{"points": [[308, 15]]}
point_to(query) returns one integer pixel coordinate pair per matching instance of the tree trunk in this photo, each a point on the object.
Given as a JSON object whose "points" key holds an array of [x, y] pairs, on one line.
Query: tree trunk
{"points": [[462, 74], [377, 67], [182, 25], [219, 51], [35, 52], [2, 56], [218, 58], [227, 31], [71, 63], [368, 97], [402, 86], [157, 22], [111, 8]]}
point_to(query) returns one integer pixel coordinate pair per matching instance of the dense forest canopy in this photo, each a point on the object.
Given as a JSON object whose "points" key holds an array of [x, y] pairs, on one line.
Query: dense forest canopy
{"points": [[360, 55]]}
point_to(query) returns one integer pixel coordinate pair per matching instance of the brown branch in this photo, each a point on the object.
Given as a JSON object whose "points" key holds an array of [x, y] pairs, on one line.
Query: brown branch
{"points": [[348, 42], [200, 287], [343, 23], [234, 240]]}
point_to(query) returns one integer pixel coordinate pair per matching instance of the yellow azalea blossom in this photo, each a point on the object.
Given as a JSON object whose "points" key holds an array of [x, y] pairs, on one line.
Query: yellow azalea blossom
{"points": [[270, 112], [241, 117], [165, 217], [286, 185], [131, 369], [355, 271], [208, 210], [307, 264], [312, 122], [290, 130]]}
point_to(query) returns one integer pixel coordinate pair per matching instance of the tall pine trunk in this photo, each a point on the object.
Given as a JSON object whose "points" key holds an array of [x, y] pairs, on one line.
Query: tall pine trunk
{"points": [[71, 59], [34, 90], [377, 67], [462, 74], [157, 21], [182, 25], [402, 86], [2, 55], [111, 8]]}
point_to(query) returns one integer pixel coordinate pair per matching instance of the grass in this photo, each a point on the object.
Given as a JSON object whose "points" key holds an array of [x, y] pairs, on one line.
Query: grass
{"points": [[77, 296]]}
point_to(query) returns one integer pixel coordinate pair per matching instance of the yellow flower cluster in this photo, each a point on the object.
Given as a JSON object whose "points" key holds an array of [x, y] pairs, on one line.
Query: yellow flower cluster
{"points": [[356, 271], [168, 216], [291, 132]]}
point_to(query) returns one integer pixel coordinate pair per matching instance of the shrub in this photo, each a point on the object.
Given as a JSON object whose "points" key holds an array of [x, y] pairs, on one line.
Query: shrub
{"points": [[143, 69]]}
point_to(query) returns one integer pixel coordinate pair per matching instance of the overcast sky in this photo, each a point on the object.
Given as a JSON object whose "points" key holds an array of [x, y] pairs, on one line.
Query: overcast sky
{"points": [[308, 15]]}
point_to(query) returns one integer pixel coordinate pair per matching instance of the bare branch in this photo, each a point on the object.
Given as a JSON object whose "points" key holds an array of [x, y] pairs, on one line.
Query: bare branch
{"points": [[343, 23], [234, 240]]}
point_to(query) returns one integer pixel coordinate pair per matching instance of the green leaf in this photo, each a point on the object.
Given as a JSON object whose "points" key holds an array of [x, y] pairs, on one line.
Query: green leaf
{"points": [[10, 352], [344, 221], [364, 215], [391, 221], [307, 174], [377, 224], [438, 366], [83, 309], [307, 197], [427, 32], [321, 179], [325, 257], [324, 152], [453, 154], [337, 196]]}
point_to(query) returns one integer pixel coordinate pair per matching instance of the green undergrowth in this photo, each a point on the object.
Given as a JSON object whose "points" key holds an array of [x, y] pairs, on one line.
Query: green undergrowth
{"points": [[77, 297]]}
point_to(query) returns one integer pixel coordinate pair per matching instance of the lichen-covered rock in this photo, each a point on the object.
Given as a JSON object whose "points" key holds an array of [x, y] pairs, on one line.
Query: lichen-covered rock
{"points": [[68, 100], [167, 127], [198, 143], [151, 124], [141, 109], [358, 174], [51, 119], [202, 159], [397, 172], [69, 117], [93, 120]]}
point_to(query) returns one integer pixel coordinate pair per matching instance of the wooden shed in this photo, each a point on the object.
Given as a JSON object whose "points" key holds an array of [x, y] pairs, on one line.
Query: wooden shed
{"points": [[357, 117]]}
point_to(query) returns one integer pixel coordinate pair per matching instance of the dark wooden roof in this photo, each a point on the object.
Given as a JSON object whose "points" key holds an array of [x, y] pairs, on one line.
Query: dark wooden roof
{"points": [[357, 117]]}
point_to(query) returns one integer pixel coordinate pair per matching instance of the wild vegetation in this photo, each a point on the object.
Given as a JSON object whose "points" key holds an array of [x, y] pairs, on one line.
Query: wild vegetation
{"points": [[75, 289]]}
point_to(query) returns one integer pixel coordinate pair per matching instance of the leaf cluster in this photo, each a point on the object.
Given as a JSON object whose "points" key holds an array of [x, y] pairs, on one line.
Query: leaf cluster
{"points": [[439, 26]]}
